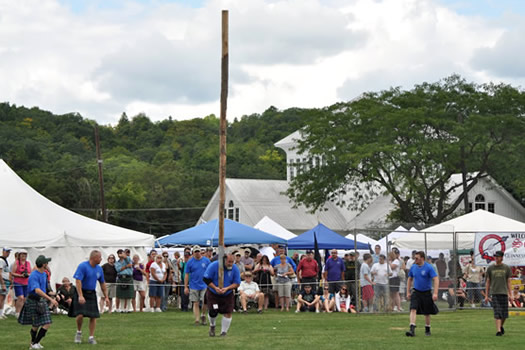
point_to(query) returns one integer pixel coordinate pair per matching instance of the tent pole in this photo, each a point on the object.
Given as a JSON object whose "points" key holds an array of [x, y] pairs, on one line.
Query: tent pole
{"points": [[222, 162]]}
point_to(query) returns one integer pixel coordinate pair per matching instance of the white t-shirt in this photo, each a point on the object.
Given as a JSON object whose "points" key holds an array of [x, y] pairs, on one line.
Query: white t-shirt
{"points": [[5, 269], [395, 272], [160, 272], [380, 273], [410, 262], [249, 288]]}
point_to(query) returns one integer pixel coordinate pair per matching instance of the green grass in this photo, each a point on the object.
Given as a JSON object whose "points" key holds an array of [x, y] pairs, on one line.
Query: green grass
{"points": [[463, 329]]}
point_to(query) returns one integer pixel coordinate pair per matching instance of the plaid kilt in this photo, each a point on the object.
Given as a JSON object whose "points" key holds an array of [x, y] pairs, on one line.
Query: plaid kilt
{"points": [[29, 314], [125, 288], [88, 309], [500, 303]]}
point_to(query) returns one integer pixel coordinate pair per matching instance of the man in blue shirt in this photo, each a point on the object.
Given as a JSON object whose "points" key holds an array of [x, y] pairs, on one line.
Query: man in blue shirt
{"points": [[334, 271], [421, 276], [194, 286], [35, 311], [85, 298], [125, 288], [221, 300]]}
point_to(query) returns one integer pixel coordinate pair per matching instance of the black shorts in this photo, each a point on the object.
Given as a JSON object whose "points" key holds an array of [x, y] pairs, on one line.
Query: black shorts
{"points": [[222, 303], [394, 284], [305, 308], [88, 309], [422, 302], [500, 304]]}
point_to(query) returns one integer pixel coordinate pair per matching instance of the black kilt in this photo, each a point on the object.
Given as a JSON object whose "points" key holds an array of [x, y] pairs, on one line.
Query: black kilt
{"points": [[225, 303], [31, 315], [88, 309], [500, 303], [423, 303]]}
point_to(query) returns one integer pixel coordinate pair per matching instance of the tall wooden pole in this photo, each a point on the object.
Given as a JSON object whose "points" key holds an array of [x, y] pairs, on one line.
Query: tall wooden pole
{"points": [[222, 162], [100, 176]]}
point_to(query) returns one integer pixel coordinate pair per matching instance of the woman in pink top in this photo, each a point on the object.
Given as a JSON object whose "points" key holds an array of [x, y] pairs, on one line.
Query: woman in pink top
{"points": [[22, 269]]}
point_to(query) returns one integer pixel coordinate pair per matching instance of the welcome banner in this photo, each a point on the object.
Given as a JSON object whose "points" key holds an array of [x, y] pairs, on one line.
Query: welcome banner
{"points": [[511, 243]]}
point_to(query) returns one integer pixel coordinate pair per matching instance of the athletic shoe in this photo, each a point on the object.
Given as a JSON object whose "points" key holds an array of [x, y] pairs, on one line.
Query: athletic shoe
{"points": [[158, 309], [212, 331], [259, 311], [78, 338], [395, 309], [244, 311], [39, 346], [152, 310], [92, 341], [427, 332], [502, 330], [3, 317], [203, 320], [316, 311], [223, 334], [33, 346], [499, 334]]}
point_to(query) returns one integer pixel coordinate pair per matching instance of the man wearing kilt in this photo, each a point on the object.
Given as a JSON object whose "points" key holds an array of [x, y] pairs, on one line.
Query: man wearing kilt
{"points": [[85, 298], [35, 311], [498, 278], [221, 300], [422, 298]]}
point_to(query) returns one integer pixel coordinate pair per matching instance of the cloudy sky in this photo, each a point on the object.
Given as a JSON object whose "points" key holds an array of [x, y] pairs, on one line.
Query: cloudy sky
{"points": [[162, 57]]}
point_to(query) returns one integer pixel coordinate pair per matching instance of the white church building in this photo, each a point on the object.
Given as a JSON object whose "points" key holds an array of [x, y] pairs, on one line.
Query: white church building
{"points": [[249, 200]]}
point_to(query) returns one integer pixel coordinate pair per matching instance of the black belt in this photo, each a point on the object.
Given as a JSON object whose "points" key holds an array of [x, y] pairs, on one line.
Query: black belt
{"points": [[34, 297]]}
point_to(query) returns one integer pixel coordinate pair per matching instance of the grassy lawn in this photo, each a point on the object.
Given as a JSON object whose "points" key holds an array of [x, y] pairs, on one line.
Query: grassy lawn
{"points": [[467, 329]]}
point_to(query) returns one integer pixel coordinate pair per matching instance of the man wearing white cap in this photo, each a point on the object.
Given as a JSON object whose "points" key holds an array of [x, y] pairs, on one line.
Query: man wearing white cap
{"points": [[4, 279]]}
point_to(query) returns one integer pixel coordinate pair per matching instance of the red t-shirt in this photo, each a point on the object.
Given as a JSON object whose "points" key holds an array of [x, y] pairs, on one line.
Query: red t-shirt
{"points": [[308, 268]]}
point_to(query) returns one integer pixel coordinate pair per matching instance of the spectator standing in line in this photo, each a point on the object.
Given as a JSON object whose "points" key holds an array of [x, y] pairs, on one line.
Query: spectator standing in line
{"points": [[239, 264], [209, 253], [151, 259], [473, 274], [352, 265], [20, 272], [125, 289], [139, 284], [377, 253], [264, 272], [110, 276], [276, 261], [158, 275], [367, 289], [498, 286], [334, 271], [379, 272], [85, 299], [283, 272], [295, 258], [5, 279], [221, 300], [184, 298], [194, 285], [441, 266], [168, 284], [176, 277], [425, 281], [307, 271], [412, 260], [394, 280], [247, 260], [35, 311]]}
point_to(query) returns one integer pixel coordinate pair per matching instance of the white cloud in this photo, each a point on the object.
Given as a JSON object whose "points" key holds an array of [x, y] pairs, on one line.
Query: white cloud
{"points": [[163, 58]]}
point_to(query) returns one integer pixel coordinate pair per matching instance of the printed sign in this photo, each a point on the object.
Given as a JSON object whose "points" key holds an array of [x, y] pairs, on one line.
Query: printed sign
{"points": [[511, 243]]}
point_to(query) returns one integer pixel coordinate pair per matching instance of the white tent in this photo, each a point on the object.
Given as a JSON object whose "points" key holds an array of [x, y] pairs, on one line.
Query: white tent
{"points": [[29, 220], [441, 236], [268, 225]]}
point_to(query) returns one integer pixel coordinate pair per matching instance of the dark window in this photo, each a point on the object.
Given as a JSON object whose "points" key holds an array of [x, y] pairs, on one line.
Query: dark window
{"points": [[491, 207]]}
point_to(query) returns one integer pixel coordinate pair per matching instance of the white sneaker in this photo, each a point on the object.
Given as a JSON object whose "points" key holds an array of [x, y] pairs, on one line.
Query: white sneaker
{"points": [[92, 341], [395, 308], [158, 309], [151, 310], [78, 338], [3, 317]]}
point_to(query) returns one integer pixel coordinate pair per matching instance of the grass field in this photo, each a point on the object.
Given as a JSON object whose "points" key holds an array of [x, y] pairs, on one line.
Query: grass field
{"points": [[463, 329]]}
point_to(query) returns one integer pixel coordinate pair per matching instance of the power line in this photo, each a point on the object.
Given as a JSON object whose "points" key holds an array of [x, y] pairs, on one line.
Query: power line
{"points": [[144, 209]]}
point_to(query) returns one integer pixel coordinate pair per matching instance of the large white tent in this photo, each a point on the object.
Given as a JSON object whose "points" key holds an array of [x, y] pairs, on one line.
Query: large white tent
{"points": [[29, 220], [268, 225], [464, 227]]}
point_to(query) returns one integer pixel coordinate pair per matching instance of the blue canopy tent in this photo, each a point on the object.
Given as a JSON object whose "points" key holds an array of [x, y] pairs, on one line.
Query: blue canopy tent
{"points": [[208, 235], [326, 239]]}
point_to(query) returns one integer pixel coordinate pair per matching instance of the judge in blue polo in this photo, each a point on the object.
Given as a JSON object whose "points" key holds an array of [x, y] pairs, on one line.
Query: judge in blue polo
{"points": [[221, 300]]}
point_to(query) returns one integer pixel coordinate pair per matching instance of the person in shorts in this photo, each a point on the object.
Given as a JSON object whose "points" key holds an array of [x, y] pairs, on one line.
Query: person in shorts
{"points": [[194, 285], [35, 311], [85, 298], [110, 276], [221, 300], [425, 281], [498, 287], [139, 283], [5, 279]]}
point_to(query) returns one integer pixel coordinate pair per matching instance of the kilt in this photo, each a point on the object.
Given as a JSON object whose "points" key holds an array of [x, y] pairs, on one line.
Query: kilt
{"points": [[224, 303], [422, 302], [29, 315], [88, 309], [125, 289], [500, 303]]}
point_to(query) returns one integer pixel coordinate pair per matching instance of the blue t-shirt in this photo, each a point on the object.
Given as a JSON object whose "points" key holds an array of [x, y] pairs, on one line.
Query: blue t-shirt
{"points": [[89, 275], [196, 269], [232, 276], [422, 276], [37, 280], [334, 269], [121, 263], [277, 260]]}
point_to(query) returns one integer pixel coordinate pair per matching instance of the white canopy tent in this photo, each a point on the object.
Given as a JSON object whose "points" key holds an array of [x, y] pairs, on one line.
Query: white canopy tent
{"points": [[29, 220], [464, 227], [268, 225]]}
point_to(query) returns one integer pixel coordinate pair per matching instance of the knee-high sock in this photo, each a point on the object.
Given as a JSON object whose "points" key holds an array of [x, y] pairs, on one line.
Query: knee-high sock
{"points": [[33, 335], [41, 334], [212, 320], [225, 324]]}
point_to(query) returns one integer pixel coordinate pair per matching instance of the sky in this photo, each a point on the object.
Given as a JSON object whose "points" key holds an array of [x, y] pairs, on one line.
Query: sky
{"points": [[101, 58]]}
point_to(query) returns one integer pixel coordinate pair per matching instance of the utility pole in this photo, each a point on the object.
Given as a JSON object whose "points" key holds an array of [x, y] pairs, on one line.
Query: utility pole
{"points": [[222, 160], [100, 176]]}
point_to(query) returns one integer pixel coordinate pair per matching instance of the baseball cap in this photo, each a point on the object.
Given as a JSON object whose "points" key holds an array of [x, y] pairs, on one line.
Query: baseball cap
{"points": [[6, 249], [41, 260], [237, 253], [209, 249], [22, 251], [196, 248], [247, 251], [309, 251], [499, 253]]}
